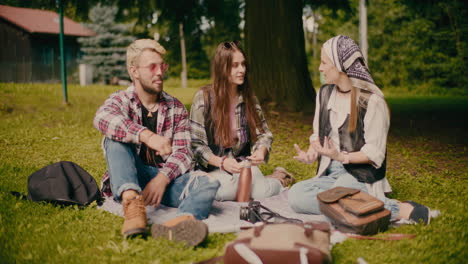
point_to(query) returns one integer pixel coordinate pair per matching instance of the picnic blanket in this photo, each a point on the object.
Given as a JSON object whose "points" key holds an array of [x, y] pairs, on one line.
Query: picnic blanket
{"points": [[224, 216]]}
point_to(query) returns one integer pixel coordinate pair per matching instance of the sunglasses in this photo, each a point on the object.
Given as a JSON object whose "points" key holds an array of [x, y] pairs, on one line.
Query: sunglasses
{"points": [[154, 67], [231, 44]]}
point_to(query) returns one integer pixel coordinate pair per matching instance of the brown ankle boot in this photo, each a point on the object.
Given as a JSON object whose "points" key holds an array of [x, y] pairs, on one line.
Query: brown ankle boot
{"points": [[135, 216], [182, 228], [284, 176]]}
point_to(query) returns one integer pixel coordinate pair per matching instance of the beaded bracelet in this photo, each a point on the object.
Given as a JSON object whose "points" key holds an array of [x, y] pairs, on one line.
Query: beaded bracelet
{"points": [[222, 162]]}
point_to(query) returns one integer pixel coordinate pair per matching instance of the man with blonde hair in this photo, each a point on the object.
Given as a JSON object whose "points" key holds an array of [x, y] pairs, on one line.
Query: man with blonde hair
{"points": [[147, 146]]}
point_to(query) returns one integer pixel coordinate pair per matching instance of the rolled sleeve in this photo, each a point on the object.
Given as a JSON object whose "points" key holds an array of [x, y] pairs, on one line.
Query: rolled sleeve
{"points": [[265, 138], [112, 119], [180, 160], [315, 123], [200, 148], [376, 126]]}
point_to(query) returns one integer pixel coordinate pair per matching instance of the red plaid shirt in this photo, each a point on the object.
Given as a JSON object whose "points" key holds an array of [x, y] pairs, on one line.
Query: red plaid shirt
{"points": [[120, 119]]}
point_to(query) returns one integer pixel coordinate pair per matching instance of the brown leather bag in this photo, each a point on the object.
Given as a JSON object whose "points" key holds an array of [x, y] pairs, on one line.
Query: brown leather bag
{"points": [[353, 211], [280, 243]]}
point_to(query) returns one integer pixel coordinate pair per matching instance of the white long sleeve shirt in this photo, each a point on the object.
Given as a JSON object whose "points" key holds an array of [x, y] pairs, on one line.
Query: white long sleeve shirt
{"points": [[376, 126]]}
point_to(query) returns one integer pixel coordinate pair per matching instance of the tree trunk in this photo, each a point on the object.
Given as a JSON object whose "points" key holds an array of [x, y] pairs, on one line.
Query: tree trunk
{"points": [[314, 41], [183, 74], [276, 53], [363, 28]]}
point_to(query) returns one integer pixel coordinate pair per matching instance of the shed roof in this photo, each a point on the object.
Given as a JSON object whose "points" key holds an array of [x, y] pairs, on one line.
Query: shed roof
{"points": [[42, 21]]}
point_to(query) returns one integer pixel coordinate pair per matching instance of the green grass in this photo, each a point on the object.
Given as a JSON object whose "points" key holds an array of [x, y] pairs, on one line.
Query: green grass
{"points": [[427, 157]]}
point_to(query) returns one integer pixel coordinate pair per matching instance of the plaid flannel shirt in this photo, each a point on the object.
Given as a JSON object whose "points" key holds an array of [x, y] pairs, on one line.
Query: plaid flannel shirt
{"points": [[119, 119], [200, 145]]}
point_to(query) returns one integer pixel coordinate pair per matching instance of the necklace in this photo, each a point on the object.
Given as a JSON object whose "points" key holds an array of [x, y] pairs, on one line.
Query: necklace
{"points": [[341, 91], [151, 110]]}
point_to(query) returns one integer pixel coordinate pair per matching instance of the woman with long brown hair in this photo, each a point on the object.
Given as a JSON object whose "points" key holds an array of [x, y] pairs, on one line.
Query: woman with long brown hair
{"points": [[228, 126], [349, 139]]}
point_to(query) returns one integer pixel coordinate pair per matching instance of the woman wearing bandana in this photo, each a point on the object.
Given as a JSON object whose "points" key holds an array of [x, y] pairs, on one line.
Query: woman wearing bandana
{"points": [[349, 139]]}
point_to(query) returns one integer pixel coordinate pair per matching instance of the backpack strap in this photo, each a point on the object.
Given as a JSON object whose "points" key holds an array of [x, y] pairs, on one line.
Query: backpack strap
{"points": [[269, 214], [309, 227], [258, 229]]}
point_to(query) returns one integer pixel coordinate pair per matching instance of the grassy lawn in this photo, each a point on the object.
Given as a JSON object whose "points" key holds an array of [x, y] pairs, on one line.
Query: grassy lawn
{"points": [[427, 157]]}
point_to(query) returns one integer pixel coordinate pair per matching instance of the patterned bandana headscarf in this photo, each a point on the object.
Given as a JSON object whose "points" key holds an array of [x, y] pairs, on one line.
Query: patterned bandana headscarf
{"points": [[347, 57]]}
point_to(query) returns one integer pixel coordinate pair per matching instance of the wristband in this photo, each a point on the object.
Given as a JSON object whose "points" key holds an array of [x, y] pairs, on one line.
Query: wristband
{"points": [[222, 163]]}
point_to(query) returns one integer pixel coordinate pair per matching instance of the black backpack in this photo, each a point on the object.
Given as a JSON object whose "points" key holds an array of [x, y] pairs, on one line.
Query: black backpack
{"points": [[63, 183]]}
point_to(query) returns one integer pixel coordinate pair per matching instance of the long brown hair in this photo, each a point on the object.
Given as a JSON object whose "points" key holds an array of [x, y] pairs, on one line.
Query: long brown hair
{"points": [[354, 112], [221, 66]]}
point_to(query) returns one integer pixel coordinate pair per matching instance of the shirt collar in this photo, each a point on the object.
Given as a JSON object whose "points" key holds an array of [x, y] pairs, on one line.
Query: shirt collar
{"points": [[333, 103], [241, 99]]}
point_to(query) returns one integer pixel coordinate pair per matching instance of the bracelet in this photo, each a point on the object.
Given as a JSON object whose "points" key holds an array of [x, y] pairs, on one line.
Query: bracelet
{"points": [[222, 162]]}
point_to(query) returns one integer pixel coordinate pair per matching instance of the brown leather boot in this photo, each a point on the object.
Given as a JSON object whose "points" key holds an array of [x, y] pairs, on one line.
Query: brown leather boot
{"points": [[182, 228], [285, 177], [135, 216]]}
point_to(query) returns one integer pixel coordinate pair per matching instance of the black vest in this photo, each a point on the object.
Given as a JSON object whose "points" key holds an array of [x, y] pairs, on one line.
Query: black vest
{"points": [[350, 142]]}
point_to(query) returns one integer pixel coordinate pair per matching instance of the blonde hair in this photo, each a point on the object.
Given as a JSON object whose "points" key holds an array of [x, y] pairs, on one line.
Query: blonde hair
{"points": [[135, 49]]}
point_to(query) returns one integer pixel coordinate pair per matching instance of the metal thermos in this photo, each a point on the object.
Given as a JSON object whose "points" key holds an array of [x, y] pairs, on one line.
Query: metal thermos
{"points": [[245, 182]]}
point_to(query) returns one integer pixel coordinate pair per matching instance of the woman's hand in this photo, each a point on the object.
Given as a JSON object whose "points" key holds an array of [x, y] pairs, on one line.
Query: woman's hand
{"points": [[258, 157], [328, 149], [231, 165], [306, 157]]}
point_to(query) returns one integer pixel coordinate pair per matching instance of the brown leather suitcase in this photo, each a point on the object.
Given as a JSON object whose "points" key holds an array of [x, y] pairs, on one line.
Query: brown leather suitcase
{"points": [[353, 211]]}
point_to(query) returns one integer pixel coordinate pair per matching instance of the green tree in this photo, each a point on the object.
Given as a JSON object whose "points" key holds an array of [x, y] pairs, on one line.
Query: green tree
{"points": [[188, 13], [418, 45], [445, 25], [106, 50], [414, 44], [164, 17], [223, 19], [275, 47], [276, 53]]}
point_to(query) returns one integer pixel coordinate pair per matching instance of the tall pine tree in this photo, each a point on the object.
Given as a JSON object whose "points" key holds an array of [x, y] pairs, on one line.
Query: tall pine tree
{"points": [[106, 50]]}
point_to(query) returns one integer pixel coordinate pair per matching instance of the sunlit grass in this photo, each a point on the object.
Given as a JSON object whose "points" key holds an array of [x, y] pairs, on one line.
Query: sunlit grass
{"points": [[427, 159]]}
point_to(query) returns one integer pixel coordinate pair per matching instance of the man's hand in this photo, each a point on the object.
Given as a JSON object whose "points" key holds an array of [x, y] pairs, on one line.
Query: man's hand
{"points": [[306, 157], [162, 145], [231, 165], [328, 149], [258, 157], [154, 190]]}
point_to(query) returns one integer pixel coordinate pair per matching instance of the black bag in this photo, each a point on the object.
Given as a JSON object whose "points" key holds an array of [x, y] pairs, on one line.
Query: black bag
{"points": [[63, 183]]}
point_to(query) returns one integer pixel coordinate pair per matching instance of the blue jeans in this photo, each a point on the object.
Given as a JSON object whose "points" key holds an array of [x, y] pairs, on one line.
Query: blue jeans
{"points": [[303, 195], [192, 194], [262, 187]]}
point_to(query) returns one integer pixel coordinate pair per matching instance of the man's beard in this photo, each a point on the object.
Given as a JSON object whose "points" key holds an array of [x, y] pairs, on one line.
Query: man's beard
{"points": [[149, 89]]}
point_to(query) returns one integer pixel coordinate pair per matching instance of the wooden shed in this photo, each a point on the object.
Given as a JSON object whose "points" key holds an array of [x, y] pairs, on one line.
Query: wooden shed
{"points": [[29, 45]]}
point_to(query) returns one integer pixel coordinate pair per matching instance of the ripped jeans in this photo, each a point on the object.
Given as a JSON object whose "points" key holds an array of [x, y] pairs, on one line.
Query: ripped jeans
{"points": [[191, 193]]}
